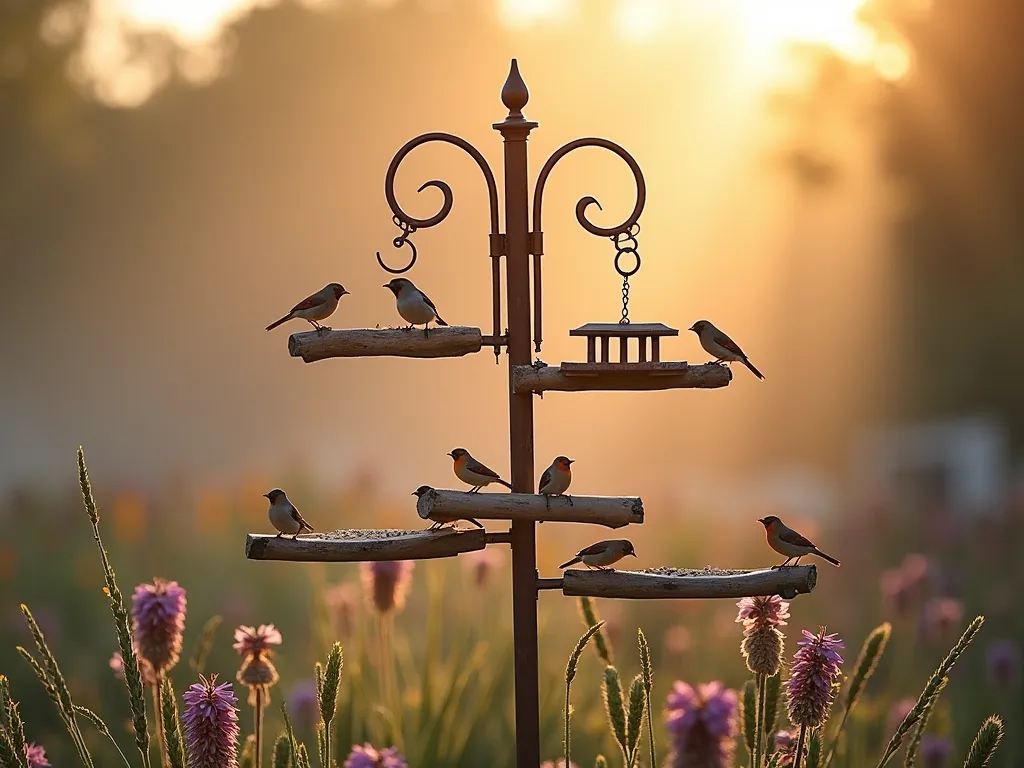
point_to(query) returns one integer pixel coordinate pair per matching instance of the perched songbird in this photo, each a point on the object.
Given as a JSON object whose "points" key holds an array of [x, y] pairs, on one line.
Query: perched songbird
{"points": [[716, 343], [284, 516], [788, 542], [603, 554], [312, 309], [413, 304], [472, 472], [437, 524], [556, 479]]}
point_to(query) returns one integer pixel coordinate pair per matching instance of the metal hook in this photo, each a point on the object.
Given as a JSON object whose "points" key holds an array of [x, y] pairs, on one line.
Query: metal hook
{"points": [[398, 242]]}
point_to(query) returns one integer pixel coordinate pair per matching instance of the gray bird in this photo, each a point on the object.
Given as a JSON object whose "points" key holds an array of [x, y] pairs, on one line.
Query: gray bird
{"points": [[603, 554], [724, 349]]}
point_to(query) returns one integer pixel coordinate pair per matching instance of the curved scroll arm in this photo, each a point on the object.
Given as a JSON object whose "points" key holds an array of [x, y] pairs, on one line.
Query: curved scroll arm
{"points": [[586, 202], [409, 224], [626, 227]]}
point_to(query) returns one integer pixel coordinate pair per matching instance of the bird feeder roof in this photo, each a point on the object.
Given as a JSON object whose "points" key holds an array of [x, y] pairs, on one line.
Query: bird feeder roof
{"points": [[628, 330]]}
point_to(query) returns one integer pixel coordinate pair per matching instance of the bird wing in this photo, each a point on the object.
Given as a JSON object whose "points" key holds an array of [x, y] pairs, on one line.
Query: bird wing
{"points": [[593, 549], [309, 302], [722, 340], [794, 538], [429, 302], [545, 479], [480, 469]]}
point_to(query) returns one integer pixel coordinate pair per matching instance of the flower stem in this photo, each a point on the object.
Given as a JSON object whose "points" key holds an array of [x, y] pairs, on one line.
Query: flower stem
{"points": [[759, 720], [800, 747], [158, 713], [258, 726]]}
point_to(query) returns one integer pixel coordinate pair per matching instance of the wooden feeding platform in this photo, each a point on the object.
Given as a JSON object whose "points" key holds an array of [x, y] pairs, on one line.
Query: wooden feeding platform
{"points": [[682, 583], [448, 506], [357, 545], [449, 341]]}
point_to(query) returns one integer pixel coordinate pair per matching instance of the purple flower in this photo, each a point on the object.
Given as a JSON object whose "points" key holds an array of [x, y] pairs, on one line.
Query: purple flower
{"points": [[258, 672], [934, 751], [302, 704], [762, 640], [757, 612], [386, 584], [368, 756], [701, 725], [210, 724], [815, 668], [36, 756], [1003, 662], [158, 620]]}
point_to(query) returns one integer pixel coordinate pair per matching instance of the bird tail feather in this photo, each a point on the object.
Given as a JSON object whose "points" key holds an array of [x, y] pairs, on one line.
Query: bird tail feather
{"points": [[438, 319], [571, 562], [507, 485], [753, 370], [474, 521], [284, 319], [823, 556]]}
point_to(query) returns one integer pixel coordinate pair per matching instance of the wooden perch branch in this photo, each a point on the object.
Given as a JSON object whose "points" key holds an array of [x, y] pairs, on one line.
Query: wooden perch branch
{"points": [[611, 511], [551, 378], [398, 342], [681, 583], [364, 545]]}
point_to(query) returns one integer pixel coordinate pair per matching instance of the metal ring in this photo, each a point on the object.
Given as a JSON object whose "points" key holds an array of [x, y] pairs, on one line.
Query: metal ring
{"points": [[635, 255]]}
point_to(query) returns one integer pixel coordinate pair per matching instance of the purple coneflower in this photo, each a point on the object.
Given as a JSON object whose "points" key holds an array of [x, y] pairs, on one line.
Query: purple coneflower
{"points": [[36, 756], [934, 751], [158, 620], [762, 641], [257, 671], [1003, 662], [210, 724], [368, 756], [386, 584], [815, 668], [342, 600], [701, 725]]}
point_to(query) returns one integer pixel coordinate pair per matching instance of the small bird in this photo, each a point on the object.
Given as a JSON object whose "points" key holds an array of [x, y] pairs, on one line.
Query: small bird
{"points": [[472, 472], [436, 524], [603, 554], [312, 309], [284, 516], [788, 542], [716, 343], [413, 304], [556, 479]]}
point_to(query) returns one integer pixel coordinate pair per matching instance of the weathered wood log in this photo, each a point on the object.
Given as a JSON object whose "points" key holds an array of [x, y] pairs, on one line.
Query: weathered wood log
{"points": [[364, 545], [397, 342], [551, 378], [678, 583], [611, 511]]}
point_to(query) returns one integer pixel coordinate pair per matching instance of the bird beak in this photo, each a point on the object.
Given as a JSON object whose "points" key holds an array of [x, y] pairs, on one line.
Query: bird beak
{"points": [[266, 495], [760, 520], [345, 293], [633, 553], [386, 285], [692, 328], [571, 461], [413, 493], [451, 453]]}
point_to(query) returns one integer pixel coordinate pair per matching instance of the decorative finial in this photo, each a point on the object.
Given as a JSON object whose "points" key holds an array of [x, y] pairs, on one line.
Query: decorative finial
{"points": [[514, 93]]}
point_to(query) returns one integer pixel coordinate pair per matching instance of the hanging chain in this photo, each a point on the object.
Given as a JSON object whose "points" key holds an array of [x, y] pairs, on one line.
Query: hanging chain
{"points": [[626, 242], [625, 302]]}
